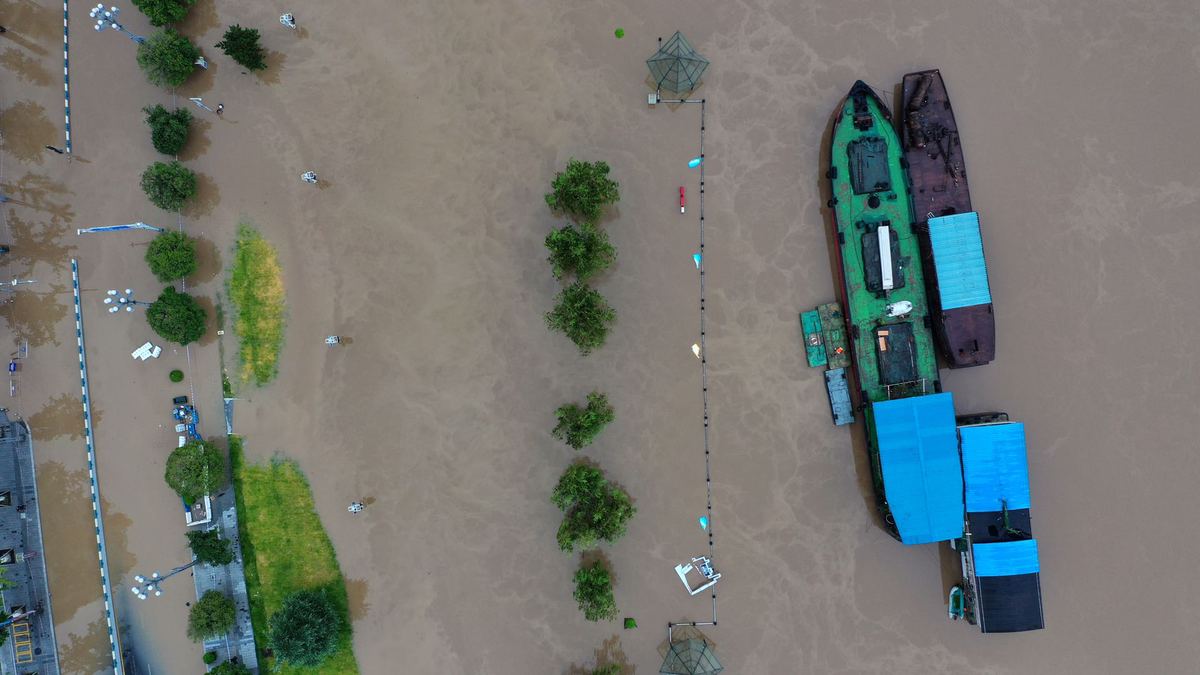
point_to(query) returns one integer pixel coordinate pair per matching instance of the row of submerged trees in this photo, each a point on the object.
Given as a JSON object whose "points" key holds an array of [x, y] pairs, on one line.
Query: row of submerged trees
{"points": [[168, 59], [594, 509]]}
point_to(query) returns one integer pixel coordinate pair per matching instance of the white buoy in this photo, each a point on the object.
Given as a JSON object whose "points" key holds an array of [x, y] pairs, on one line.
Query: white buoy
{"points": [[696, 350]]}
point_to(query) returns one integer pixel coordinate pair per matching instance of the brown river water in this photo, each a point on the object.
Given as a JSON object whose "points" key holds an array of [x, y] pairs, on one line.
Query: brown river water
{"points": [[435, 127]]}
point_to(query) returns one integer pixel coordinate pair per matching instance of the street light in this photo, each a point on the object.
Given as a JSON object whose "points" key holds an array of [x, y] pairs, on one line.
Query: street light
{"points": [[107, 18], [153, 584], [119, 300]]}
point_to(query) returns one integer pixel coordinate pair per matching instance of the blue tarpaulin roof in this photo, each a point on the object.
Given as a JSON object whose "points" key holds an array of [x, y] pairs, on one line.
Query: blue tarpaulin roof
{"points": [[1006, 558], [994, 467], [958, 260], [922, 476]]}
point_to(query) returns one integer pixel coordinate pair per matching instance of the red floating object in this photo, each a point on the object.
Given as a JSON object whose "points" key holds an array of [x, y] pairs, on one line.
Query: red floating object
{"points": [[682, 199]]}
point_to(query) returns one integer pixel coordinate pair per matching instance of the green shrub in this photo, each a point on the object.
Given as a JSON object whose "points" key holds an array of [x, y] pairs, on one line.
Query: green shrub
{"points": [[595, 510], [163, 12], [579, 426], [177, 317], [168, 185], [583, 315], [168, 128], [582, 190], [211, 616], [176, 376], [171, 256], [582, 251], [167, 58], [210, 658], [305, 629], [195, 470], [241, 45], [230, 668], [594, 592], [209, 547]]}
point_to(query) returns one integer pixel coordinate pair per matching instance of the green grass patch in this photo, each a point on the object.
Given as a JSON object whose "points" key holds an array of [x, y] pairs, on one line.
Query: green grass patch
{"points": [[256, 289], [285, 549]]}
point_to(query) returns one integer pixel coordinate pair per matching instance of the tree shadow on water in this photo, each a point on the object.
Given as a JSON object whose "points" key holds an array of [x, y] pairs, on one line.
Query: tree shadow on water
{"points": [[208, 261], [27, 131], [609, 654], [197, 142], [87, 653], [34, 191], [270, 75], [207, 197], [61, 416], [33, 316], [32, 243], [29, 70]]}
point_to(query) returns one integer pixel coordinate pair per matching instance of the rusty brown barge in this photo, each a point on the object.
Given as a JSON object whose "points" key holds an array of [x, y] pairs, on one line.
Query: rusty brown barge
{"points": [[951, 244]]}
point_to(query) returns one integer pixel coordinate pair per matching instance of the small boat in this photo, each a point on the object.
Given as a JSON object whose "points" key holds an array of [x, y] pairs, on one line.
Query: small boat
{"points": [[956, 603]]}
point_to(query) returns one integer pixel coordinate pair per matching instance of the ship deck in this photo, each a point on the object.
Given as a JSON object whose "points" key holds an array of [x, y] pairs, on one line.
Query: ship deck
{"points": [[878, 201]]}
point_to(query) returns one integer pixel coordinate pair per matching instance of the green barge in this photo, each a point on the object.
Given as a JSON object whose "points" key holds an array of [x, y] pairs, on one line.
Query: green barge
{"points": [[887, 314]]}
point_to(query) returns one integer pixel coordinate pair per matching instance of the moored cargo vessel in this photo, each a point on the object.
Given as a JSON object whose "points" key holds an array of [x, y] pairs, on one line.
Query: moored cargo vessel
{"points": [[951, 243], [909, 425]]}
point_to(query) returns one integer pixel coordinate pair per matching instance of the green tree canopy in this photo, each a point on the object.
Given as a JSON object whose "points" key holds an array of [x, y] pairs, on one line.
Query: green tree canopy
{"points": [[168, 185], [195, 470], [595, 510], [583, 315], [171, 256], [167, 58], [163, 12], [241, 45], [229, 668], [594, 592], [578, 426], [209, 547], [211, 616], [177, 317], [582, 251], [304, 631], [582, 190], [168, 128]]}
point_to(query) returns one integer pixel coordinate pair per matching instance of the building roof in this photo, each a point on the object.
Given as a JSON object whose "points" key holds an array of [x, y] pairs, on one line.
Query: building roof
{"points": [[922, 476], [994, 467], [958, 260], [1006, 558], [1009, 604]]}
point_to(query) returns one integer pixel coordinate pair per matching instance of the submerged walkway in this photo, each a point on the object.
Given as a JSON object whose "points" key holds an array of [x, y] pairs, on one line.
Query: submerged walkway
{"points": [[31, 645]]}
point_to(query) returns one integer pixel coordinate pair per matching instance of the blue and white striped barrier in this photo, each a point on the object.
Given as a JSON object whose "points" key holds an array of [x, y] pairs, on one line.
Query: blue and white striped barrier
{"points": [[66, 80], [97, 518]]}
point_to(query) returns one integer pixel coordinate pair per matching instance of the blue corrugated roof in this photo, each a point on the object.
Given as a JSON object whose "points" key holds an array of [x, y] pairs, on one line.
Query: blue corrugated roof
{"points": [[922, 476], [994, 467], [958, 260], [1006, 558]]}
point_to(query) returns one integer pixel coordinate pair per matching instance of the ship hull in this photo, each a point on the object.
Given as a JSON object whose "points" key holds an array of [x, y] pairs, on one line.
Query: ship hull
{"points": [[966, 336]]}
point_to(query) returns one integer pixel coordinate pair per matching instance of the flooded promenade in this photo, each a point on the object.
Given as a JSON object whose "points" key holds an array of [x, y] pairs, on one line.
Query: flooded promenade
{"points": [[435, 129]]}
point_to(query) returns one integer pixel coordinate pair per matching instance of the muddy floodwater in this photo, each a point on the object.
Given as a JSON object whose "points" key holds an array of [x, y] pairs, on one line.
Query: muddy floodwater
{"points": [[435, 127]]}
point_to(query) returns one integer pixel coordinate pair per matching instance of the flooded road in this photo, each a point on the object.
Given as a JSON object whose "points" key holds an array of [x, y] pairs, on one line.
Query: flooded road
{"points": [[435, 131]]}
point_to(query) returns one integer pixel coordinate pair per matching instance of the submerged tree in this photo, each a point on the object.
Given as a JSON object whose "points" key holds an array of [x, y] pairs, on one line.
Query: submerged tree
{"points": [[195, 470], [209, 547], [578, 426], [168, 128], [168, 185], [594, 592], [595, 509], [583, 190], [580, 250], [163, 12], [177, 317], [211, 616], [583, 315], [167, 58], [305, 629], [171, 256], [241, 45]]}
